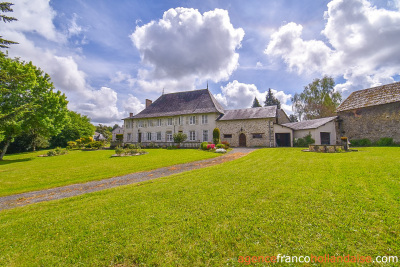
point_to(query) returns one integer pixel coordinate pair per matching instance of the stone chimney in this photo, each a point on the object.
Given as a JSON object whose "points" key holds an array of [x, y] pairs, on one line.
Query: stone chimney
{"points": [[148, 102], [131, 114]]}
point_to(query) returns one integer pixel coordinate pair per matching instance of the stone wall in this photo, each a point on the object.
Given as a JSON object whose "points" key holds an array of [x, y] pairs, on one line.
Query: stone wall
{"points": [[372, 122], [248, 127]]}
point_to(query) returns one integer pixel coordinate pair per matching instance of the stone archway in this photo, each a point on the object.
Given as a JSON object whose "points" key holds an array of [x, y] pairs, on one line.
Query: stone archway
{"points": [[242, 140]]}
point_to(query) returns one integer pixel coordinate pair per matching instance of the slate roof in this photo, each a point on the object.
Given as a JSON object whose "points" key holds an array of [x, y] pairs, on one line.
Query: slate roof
{"points": [[310, 124], [379, 95], [249, 113], [181, 103]]}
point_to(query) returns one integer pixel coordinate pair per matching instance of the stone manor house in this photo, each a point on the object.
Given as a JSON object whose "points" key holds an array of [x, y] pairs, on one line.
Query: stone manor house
{"points": [[370, 113], [197, 113]]}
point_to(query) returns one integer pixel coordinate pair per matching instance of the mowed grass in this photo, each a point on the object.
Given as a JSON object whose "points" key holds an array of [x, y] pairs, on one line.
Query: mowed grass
{"points": [[28, 172], [273, 201]]}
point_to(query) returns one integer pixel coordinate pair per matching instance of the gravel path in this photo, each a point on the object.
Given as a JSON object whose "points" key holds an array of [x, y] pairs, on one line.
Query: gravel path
{"points": [[23, 199]]}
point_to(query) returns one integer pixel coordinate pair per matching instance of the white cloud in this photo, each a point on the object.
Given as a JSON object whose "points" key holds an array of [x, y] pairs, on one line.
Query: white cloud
{"points": [[121, 77], [132, 105], [35, 16], [363, 45], [240, 95], [74, 28], [188, 45]]}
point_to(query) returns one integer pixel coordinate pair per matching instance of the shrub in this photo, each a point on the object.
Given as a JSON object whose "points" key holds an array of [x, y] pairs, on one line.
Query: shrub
{"points": [[386, 141], [211, 146], [303, 142], [216, 136], [204, 145], [360, 142], [179, 137], [56, 152], [220, 146], [72, 144], [119, 151], [227, 145], [172, 147]]}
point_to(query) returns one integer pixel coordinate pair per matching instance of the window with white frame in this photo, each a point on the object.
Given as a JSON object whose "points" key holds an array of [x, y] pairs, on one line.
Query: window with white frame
{"points": [[149, 136], [128, 138], [192, 120], [159, 122], [158, 136], [150, 123], [169, 137], [205, 135], [140, 124], [180, 120], [204, 119], [169, 123], [192, 135]]}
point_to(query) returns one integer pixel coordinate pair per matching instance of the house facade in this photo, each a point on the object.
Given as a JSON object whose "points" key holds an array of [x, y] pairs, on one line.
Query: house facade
{"points": [[372, 113], [117, 131], [196, 114], [193, 113]]}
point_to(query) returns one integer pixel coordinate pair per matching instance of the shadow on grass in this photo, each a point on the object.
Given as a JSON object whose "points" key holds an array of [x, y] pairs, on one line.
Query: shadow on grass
{"points": [[10, 161]]}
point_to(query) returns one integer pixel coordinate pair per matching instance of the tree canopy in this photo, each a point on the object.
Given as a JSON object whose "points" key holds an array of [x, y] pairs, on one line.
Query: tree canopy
{"points": [[256, 104], [6, 7], [317, 100], [28, 102], [77, 126], [271, 100]]}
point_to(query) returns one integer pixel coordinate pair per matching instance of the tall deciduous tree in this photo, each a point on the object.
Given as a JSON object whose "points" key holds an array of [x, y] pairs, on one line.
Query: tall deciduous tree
{"points": [[317, 100], [256, 104], [77, 126], [271, 100], [28, 102], [6, 7], [293, 118]]}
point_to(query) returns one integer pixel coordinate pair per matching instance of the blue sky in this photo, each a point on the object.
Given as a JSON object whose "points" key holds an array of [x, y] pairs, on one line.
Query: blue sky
{"points": [[108, 57]]}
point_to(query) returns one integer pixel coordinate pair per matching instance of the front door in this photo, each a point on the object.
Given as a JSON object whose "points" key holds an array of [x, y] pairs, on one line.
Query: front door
{"points": [[282, 139], [139, 137], [242, 139]]}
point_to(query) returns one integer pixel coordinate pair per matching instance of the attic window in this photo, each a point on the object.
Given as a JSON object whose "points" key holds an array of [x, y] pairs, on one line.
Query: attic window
{"points": [[257, 135]]}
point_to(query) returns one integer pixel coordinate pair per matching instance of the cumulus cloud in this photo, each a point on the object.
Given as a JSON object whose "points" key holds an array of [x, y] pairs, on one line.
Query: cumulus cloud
{"points": [[100, 105], [186, 44], [241, 95], [35, 16], [362, 45]]}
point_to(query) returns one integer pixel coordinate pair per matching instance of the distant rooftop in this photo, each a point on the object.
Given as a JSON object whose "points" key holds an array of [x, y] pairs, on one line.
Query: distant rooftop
{"points": [[181, 103], [379, 95], [249, 113], [310, 124]]}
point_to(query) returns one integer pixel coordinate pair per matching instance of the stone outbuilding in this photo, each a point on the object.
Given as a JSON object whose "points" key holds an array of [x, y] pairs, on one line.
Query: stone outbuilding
{"points": [[371, 113], [323, 130], [251, 126]]}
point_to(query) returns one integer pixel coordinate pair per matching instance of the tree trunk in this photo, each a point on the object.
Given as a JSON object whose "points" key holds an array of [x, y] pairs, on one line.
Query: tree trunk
{"points": [[7, 143]]}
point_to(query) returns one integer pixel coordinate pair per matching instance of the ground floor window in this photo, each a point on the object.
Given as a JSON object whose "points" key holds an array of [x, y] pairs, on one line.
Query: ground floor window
{"points": [[192, 135], [325, 138], [205, 135], [148, 136], [257, 135], [227, 136], [128, 138], [158, 136], [169, 137]]}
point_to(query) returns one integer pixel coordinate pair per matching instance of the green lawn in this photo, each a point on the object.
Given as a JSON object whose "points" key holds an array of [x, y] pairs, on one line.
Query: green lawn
{"points": [[27, 172], [273, 201]]}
